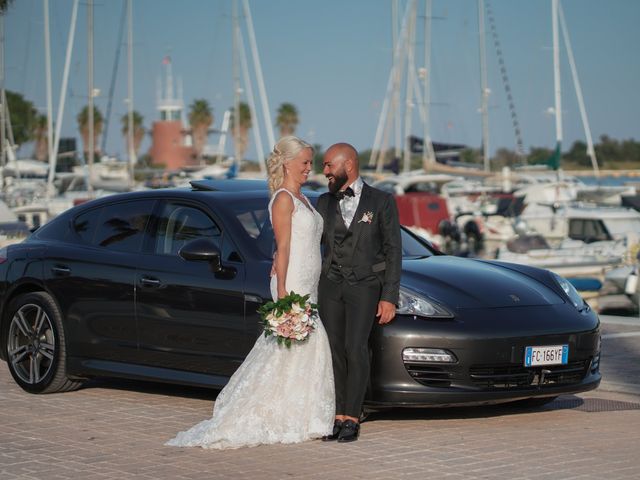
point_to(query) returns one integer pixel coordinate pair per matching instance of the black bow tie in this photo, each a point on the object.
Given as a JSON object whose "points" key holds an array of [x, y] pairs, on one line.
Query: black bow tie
{"points": [[348, 192]]}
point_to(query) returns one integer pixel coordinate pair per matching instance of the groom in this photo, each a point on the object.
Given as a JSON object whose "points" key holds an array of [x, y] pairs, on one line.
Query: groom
{"points": [[360, 278]]}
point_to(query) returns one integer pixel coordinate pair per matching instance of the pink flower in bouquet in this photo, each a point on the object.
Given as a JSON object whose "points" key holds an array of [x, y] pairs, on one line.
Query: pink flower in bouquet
{"points": [[289, 319]]}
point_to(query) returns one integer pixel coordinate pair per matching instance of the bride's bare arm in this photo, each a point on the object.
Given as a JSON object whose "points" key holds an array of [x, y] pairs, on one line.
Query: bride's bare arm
{"points": [[281, 212]]}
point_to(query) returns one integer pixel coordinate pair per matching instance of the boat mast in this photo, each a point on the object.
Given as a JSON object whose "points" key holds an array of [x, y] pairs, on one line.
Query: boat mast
{"points": [[428, 158], [408, 108], [576, 82], [47, 54], [130, 133], [556, 80], [90, 88], [258, 71], [395, 112], [3, 159], [236, 83], [112, 83], [484, 89], [63, 93], [252, 104], [377, 155]]}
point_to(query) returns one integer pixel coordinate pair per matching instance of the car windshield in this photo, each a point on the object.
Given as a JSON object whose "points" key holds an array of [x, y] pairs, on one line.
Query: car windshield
{"points": [[253, 215]]}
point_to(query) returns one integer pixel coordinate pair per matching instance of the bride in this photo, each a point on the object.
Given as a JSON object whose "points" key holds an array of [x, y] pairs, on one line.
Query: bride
{"points": [[280, 394]]}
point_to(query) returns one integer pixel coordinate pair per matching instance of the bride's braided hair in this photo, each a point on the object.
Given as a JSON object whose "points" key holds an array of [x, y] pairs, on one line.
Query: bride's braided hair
{"points": [[287, 148]]}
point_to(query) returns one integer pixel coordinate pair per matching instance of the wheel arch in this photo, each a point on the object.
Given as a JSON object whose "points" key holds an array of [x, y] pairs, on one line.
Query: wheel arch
{"points": [[28, 285]]}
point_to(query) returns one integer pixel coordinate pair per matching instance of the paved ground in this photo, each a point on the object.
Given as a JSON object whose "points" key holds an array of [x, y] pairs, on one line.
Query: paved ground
{"points": [[116, 430]]}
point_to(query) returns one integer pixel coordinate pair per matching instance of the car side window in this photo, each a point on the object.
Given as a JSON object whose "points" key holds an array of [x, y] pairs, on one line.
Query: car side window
{"points": [[179, 224], [84, 225], [120, 226]]}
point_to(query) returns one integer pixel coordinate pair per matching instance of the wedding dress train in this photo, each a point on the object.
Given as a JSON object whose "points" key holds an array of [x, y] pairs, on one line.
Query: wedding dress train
{"points": [[279, 394]]}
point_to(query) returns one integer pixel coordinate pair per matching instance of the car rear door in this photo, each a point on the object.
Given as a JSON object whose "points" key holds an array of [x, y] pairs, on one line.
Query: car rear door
{"points": [[92, 277], [189, 317]]}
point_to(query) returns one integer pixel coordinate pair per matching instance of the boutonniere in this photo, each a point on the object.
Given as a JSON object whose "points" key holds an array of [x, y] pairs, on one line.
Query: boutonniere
{"points": [[367, 217]]}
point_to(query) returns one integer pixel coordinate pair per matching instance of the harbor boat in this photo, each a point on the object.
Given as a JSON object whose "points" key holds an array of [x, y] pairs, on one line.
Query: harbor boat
{"points": [[587, 223], [625, 288], [12, 229], [571, 258]]}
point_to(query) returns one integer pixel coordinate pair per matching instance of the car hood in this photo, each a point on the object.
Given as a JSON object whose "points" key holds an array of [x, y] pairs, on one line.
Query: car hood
{"points": [[466, 283]]}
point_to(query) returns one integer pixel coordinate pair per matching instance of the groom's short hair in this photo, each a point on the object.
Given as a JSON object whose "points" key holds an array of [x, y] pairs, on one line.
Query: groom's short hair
{"points": [[345, 149]]}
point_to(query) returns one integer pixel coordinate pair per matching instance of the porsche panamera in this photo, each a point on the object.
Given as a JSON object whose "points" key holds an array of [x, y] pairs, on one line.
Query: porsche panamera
{"points": [[163, 285]]}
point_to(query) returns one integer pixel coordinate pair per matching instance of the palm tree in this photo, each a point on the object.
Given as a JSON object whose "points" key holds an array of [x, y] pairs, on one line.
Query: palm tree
{"points": [[83, 126], [200, 119], [244, 125], [40, 135], [4, 6], [138, 130], [287, 119]]}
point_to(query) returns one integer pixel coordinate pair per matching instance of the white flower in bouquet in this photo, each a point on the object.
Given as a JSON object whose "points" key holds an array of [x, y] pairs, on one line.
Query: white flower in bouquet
{"points": [[289, 319]]}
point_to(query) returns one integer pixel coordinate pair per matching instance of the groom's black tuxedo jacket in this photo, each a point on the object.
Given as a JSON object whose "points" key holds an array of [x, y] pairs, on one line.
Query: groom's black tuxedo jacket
{"points": [[374, 241]]}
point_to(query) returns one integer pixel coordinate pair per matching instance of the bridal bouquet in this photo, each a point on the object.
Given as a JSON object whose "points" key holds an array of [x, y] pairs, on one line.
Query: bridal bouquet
{"points": [[290, 319]]}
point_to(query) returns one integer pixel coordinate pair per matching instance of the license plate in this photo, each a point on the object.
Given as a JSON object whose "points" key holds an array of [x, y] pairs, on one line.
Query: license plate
{"points": [[547, 355]]}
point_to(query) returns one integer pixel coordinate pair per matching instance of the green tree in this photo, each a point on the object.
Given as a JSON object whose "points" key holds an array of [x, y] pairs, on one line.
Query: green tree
{"points": [[22, 115], [630, 151], [318, 158], [577, 154], [4, 6], [607, 149], [504, 158], [287, 119], [138, 131], [83, 127], [539, 155], [200, 119], [244, 125], [471, 155]]}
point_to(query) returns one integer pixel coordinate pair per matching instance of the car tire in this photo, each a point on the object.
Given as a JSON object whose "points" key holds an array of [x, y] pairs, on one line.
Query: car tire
{"points": [[35, 344]]}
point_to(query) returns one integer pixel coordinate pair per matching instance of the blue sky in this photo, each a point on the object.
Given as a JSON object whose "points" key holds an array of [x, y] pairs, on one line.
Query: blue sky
{"points": [[331, 58]]}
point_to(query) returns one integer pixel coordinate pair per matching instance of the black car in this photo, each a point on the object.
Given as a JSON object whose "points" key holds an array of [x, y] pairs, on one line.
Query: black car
{"points": [[164, 285]]}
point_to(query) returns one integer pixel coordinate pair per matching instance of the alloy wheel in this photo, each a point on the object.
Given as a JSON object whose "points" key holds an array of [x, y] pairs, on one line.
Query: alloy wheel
{"points": [[31, 343]]}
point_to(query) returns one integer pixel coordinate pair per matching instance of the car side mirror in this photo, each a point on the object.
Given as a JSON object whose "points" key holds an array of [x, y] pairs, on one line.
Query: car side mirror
{"points": [[202, 249]]}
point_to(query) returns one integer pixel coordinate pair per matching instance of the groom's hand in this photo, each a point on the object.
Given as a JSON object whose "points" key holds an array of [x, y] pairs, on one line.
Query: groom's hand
{"points": [[386, 312]]}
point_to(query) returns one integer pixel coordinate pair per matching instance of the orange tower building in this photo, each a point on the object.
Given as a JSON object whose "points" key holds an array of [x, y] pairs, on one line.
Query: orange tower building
{"points": [[171, 141]]}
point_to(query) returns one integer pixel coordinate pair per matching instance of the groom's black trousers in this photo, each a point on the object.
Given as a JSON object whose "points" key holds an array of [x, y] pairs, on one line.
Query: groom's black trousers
{"points": [[347, 311]]}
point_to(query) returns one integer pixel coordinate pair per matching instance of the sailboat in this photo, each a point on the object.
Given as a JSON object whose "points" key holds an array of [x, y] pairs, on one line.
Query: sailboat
{"points": [[550, 200]]}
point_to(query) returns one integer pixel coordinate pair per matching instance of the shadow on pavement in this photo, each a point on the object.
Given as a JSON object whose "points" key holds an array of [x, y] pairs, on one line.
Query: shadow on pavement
{"points": [[566, 402], [152, 388]]}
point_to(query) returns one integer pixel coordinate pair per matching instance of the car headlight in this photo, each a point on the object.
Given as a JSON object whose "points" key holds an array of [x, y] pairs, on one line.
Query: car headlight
{"points": [[432, 355], [570, 291], [411, 303]]}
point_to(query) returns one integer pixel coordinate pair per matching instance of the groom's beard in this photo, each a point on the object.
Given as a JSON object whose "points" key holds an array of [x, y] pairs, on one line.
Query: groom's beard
{"points": [[336, 182]]}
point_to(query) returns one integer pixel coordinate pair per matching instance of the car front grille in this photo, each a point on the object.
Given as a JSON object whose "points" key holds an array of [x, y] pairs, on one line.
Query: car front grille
{"points": [[513, 376], [429, 375]]}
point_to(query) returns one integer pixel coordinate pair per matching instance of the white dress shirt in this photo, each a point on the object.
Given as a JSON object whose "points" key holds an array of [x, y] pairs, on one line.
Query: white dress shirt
{"points": [[349, 205]]}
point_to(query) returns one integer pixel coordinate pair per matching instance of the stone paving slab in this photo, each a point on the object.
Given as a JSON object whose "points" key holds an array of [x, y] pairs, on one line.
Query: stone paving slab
{"points": [[116, 430]]}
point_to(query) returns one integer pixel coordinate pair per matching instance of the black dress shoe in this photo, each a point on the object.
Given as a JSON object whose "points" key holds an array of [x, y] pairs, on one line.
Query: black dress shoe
{"points": [[337, 428], [350, 431]]}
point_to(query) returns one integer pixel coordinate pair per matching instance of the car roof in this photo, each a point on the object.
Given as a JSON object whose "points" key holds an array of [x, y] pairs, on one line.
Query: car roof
{"points": [[221, 191], [234, 185]]}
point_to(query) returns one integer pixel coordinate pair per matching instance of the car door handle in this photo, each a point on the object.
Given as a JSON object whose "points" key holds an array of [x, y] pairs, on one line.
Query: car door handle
{"points": [[150, 282], [61, 270]]}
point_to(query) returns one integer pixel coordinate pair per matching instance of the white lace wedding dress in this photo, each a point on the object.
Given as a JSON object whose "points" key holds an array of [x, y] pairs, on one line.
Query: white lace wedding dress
{"points": [[279, 394]]}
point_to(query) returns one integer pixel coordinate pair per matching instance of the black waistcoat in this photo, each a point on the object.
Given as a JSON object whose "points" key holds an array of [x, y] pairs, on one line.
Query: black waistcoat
{"points": [[342, 250]]}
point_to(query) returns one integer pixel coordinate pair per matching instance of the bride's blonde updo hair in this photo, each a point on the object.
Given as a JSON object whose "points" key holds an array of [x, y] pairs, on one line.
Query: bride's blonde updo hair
{"points": [[283, 152]]}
